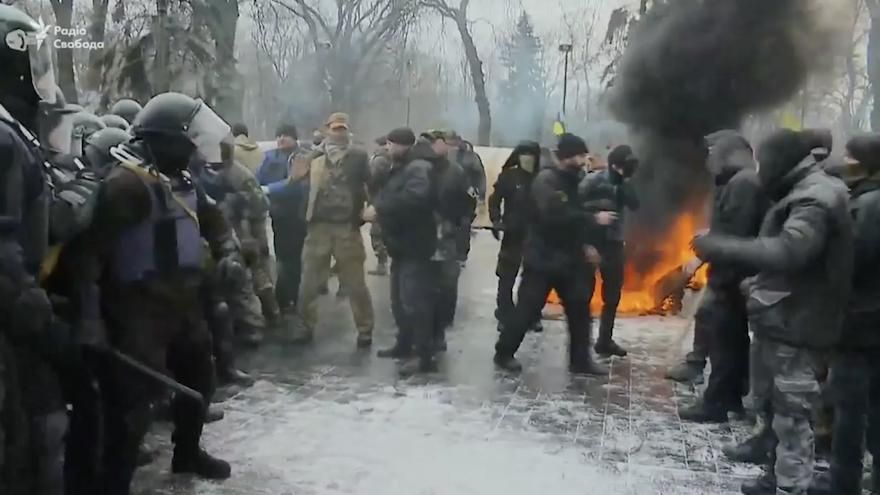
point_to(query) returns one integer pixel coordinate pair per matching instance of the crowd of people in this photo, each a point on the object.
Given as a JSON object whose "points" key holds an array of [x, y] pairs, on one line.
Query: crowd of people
{"points": [[135, 257]]}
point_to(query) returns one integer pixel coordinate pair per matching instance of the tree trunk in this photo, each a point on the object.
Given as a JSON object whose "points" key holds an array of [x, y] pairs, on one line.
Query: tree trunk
{"points": [[97, 30], [874, 62], [161, 69], [229, 91], [479, 79], [66, 78]]}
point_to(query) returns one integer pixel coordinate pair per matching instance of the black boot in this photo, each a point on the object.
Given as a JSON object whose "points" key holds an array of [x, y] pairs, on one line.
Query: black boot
{"points": [[609, 348], [364, 341], [687, 372], [399, 351], [233, 376], [587, 366], [201, 464], [703, 412], [507, 363], [754, 450], [214, 414], [422, 364], [764, 484]]}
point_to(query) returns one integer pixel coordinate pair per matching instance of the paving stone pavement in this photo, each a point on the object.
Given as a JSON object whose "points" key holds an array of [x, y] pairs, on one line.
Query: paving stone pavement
{"points": [[330, 419]]}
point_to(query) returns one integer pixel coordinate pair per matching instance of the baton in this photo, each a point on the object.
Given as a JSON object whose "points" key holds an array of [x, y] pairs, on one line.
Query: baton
{"points": [[155, 375]]}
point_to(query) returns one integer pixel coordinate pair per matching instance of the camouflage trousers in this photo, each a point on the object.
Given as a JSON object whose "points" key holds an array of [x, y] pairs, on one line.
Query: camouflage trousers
{"points": [[378, 246], [342, 242], [786, 389], [245, 306]]}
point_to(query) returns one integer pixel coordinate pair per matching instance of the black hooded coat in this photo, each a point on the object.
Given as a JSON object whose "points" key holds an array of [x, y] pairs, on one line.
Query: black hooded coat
{"points": [[804, 251], [512, 189]]}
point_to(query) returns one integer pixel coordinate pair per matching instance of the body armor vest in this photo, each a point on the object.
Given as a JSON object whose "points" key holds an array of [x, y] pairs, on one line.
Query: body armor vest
{"points": [[335, 199], [166, 242]]}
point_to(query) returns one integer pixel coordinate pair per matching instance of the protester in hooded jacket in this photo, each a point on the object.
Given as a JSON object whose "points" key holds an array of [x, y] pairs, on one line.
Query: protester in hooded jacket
{"points": [[855, 367], [610, 189], [721, 320], [247, 151], [509, 210], [405, 209], [557, 256], [797, 301]]}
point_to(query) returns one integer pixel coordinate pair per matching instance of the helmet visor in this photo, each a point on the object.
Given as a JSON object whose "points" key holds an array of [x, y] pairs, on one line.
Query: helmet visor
{"points": [[56, 127], [42, 68], [206, 131]]}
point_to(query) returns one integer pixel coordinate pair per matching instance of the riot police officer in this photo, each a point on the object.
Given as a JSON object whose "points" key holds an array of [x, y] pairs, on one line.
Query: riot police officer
{"points": [[149, 223], [96, 148], [126, 108], [32, 416]]}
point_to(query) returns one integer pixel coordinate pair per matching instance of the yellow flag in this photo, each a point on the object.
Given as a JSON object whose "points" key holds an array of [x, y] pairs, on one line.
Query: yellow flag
{"points": [[558, 128], [789, 121]]}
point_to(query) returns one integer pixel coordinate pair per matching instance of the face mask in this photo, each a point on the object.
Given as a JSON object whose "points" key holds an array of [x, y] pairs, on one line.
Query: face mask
{"points": [[527, 163]]}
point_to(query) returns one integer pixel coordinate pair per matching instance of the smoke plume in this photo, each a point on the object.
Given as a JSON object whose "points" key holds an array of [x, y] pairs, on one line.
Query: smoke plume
{"points": [[697, 66]]}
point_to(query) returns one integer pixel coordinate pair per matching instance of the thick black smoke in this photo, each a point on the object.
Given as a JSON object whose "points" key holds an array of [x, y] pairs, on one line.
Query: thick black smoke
{"points": [[697, 66]]}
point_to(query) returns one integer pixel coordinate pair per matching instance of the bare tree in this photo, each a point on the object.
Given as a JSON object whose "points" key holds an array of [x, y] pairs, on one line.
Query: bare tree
{"points": [[349, 40], [224, 91], [63, 10], [97, 32], [874, 61], [459, 16]]}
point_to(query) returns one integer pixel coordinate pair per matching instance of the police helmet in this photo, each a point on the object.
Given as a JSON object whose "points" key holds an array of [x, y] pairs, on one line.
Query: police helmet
{"points": [[182, 119], [26, 58], [96, 148], [111, 120], [126, 108]]}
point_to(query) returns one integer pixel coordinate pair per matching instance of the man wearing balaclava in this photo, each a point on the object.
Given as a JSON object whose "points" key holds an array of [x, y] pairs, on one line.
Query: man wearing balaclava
{"points": [[796, 302], [855, 367], [610, 189], [509, 207], [721, 330], [338, 174], [557, 256]]}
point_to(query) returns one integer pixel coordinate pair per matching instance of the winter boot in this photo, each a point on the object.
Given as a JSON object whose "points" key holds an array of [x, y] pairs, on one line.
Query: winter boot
{"points": [[754, 450], [704, 412], [399, 351], [609, 347], [233, 376], [214, 414], [507, 363], [201, 464], [364, 341], [587, 366], [687, 372]]}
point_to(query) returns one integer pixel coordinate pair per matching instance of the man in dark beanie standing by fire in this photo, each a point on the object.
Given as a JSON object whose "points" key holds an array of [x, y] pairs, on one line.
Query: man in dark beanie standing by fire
{"points": [[796, 302], [557, 256], [611, 190], [738, 209], [855, 366], [405, 208]]}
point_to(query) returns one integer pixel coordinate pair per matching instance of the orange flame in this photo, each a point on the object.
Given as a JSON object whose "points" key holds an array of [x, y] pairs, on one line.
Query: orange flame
{"points": [[640, 288]]}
